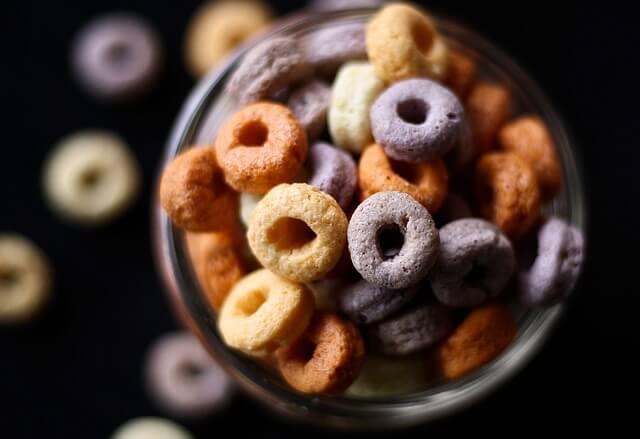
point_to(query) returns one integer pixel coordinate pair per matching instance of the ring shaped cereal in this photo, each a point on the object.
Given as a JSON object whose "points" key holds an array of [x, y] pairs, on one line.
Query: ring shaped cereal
{"points": [[427, 182], [528, 138], [217, 28], [298, 232], [416, 120], [158, 428], [334, 172], [326, 359], [264, 312], [481, 337], [217, 262], [194, 194], [91, 177], [354, 90], [261, 146], [506, 192], [402, 43], [25, 279], [487, 108], [393, 240]]}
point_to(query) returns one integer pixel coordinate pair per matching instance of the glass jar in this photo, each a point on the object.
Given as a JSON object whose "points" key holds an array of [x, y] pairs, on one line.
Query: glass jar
{"points": [[203, 113]]}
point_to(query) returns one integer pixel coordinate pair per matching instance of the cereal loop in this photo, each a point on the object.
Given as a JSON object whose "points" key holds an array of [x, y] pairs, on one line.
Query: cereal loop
{"points": [[487, 108], [506, 192], [480, 338], [326, 359], [264, 312], [217, 262], [427, 182], [462, 72], [402, 43], [354, 90], [25, 279], [194, 195], [217, 28], [298, 232], [261, 146], [529, 138]]}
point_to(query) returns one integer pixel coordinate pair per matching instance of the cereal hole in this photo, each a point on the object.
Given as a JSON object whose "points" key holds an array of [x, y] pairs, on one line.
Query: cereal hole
{"points": [[290, 234], [8, 278], [191, 370], [253, 133], [422, 38], [407, 171], [118, 54], [305, 349], [90, 178], [390, 240], [252, 302], [413, 111]]}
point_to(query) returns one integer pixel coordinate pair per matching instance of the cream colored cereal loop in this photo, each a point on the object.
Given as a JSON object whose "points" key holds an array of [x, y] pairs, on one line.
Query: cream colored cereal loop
{"points": [[248, 203], [25, 279], [298, 232], [91, 177], [264, 312], [151, 428], [218, 28], [355, 88]]}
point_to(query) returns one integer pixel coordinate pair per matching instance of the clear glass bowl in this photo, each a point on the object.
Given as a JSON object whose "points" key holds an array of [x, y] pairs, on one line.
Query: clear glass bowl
{"points": [[205, 110]]}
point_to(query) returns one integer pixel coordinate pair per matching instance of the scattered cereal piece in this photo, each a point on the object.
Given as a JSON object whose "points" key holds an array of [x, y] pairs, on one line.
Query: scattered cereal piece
{"points": [[25, 279], [334, 172], [488, 107], [183, 379], [387, 376], [117, 56], [328, 49], [91, 177], [248, 203], [151, 428], [298, 232], [310, 104], [219, 27], [365, 303], [462, 72]]}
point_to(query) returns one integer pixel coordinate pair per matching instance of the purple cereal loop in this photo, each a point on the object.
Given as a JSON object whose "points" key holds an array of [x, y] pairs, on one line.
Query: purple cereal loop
{"points": [[557, 266], [327, 49], [267, 68], [326, 5], [365, 303], [334, 172], [392, 213], [411, 330], [183, 378], [475, 263], [454, 208], [116, 56], [416, 120], [309, 105]]}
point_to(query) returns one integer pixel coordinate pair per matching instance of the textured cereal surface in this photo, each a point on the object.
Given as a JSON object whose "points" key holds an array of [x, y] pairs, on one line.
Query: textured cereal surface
{"points": [[328, 49], [334, 172], [310, 104], [488, 107]]}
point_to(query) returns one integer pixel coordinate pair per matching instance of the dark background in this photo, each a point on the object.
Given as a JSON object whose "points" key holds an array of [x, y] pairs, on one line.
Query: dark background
{"points": [[76, 372]]}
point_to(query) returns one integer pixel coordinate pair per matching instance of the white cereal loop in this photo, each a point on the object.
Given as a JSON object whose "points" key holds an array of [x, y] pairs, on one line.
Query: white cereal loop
{"points": [[248, 202], [91, 177], [354, 90], [151, 428], [25, 279]]}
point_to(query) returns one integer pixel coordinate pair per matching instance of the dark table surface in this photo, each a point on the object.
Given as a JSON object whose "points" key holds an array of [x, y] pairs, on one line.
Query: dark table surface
{"points": [[76, 372]]}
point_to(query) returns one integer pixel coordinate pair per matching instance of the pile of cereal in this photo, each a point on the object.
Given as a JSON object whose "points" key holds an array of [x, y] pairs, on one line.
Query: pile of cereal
{"points": [[347, 233]]}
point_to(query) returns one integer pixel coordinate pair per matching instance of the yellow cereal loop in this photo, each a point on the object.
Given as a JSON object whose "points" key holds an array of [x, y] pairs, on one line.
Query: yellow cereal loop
{"points": [[402, 43], [218, 27], [264, 312], [355, 88], [298, 232]]}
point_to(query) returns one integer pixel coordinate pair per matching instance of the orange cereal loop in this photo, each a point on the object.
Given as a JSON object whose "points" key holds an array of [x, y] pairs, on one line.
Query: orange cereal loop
{"points": [[487, 108], [427, 182], [483, 335], [402, 43], [462, 72], [218, 263], [261, 146], [326, 359], [506, 192], [194, 195], [529, 138]]}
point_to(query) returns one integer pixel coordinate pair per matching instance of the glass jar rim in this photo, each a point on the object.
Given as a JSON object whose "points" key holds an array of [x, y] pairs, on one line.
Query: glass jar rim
{"points": [[391, 411]]}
